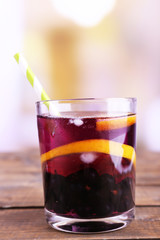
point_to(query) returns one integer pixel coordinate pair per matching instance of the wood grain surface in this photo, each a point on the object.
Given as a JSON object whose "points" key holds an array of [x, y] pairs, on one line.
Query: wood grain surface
{"points": [[30, 224], [21, 200]]}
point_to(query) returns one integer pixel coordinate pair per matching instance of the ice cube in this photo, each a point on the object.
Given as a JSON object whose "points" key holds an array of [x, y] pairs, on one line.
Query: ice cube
{"points": [[77, 121], [88, 157]]}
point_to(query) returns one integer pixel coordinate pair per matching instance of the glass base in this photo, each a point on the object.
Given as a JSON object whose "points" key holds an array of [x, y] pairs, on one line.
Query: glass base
{"points": [[98, 225]]}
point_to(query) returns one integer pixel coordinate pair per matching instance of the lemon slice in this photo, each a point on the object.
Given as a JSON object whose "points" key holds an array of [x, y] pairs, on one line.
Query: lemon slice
{"points": [[114, 123], [92, 145]]}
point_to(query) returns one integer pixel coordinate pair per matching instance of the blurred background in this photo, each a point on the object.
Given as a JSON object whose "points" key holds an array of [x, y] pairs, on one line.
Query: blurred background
{"points": [[79, 48]]}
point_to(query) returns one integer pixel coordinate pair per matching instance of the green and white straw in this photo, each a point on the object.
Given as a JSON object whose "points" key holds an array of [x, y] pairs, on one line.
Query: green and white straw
{"points": [[42, 95]]}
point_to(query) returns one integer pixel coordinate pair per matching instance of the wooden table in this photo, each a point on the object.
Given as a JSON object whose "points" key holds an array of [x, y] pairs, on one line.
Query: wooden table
{"points": [[21, 200]]}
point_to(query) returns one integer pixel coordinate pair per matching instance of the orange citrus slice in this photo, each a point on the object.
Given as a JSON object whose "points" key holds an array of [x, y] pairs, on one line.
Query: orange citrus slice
{"points": [[114, 123], [92, 145]]}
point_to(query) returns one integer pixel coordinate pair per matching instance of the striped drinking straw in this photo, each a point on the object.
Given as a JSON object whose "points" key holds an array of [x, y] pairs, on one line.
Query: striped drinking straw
{"points": [[34, 82]]}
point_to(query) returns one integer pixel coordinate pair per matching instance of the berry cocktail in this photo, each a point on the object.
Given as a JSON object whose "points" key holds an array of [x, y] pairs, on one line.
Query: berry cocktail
{"points": [[88, 165]]}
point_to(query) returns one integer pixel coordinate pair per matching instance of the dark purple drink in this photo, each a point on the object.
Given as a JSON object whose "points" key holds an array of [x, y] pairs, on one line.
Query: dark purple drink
{"points": [[88, 164]]}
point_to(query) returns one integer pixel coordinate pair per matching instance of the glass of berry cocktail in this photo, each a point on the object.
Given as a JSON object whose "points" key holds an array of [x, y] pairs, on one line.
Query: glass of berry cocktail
{"points": [[88, 163]]}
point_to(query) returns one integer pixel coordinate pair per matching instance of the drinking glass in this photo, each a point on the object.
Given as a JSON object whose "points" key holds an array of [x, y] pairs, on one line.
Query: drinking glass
{"points": [[88, 158]]}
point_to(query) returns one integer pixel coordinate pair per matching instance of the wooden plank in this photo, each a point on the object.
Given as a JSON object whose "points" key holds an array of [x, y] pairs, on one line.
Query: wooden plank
{"points": [[24, 168], [30, 224], [148, 168], [32, 195], [148, 195], [21, 180], [28, 196], [20, 169]]}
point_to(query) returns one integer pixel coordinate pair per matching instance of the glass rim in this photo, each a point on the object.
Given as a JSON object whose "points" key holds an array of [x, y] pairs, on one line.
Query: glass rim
{"points": [[131, 99]]}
